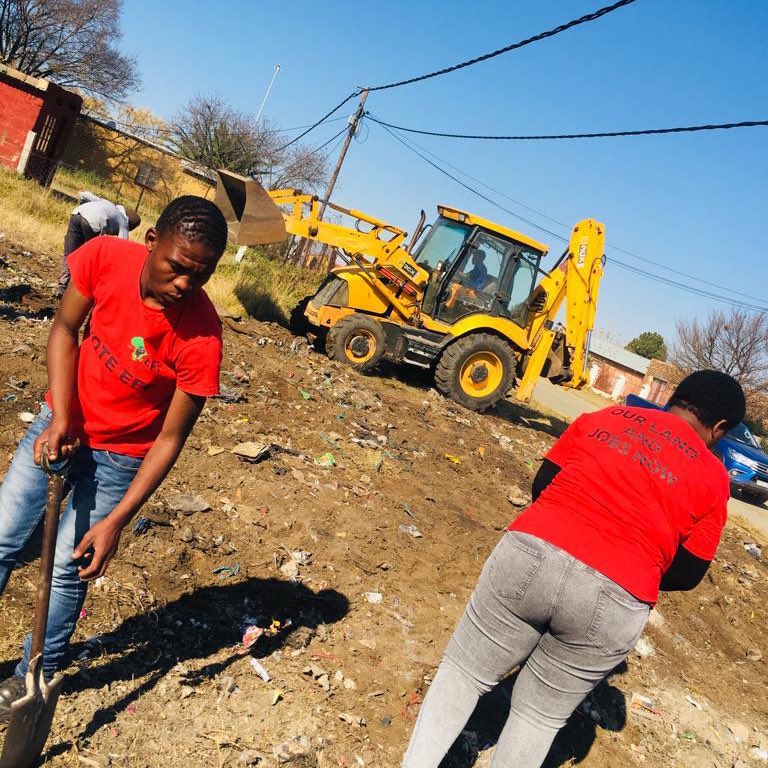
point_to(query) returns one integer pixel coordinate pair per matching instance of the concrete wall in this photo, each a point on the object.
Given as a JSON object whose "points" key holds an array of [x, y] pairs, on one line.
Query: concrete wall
{"points": [[20, 105], [115, 157], [36, 120]]}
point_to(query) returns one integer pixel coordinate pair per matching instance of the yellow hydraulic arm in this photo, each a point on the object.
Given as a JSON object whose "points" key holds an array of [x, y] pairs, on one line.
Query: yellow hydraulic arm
{"points": [[575, 280], [377, 250]]}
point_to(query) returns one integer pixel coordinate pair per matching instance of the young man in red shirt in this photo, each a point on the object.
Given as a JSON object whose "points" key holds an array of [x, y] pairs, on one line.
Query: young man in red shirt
{"points": [[131, 392], [628, 501]]}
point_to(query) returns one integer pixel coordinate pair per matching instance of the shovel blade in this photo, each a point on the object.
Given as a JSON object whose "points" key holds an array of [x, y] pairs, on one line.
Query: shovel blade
{"points": [[252, 217], [31, 719]]}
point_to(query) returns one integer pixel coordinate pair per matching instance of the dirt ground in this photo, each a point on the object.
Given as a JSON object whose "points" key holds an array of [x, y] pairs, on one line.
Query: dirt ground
{"points": [[159, 676]]}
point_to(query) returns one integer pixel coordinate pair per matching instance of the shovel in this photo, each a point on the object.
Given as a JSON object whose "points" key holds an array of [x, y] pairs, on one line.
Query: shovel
{"points": [[32, 715]]}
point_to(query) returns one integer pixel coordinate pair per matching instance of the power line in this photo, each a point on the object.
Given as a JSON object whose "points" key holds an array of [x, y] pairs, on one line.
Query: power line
{"points": [[316, 123], [645, 259], [636, 270], [599, 135], [300, 127], [507, 48]]}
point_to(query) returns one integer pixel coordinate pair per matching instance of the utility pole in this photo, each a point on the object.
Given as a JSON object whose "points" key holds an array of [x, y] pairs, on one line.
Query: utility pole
{"points": [[354, 121]]}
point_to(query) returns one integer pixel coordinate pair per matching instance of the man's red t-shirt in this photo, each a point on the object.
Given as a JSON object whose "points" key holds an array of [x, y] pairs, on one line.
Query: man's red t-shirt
{"points": [[132, 357], [634, 484]]}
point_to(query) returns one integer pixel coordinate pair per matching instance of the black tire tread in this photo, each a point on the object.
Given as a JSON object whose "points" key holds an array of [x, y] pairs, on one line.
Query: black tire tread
{"points": [[449, 364]]}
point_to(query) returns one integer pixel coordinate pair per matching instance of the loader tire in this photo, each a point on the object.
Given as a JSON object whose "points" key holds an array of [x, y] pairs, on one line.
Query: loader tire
{"points": [[357, 340], [476, 371], [298, 323]]}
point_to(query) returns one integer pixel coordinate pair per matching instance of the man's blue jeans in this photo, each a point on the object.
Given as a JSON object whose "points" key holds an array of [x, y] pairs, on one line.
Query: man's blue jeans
{"points": [[98, 480]]}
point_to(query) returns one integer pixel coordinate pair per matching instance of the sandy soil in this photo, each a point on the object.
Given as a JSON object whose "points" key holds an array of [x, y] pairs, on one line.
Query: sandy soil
{"points": [[159, 676]]}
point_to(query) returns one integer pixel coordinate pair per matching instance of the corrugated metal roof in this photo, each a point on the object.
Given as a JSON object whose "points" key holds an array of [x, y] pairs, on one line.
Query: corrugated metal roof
{"points": [[616, 354]]}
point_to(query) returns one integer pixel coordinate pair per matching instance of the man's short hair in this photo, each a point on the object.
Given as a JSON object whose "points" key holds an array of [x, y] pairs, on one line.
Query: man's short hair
{"points": [[711, 396], [196, 219]]}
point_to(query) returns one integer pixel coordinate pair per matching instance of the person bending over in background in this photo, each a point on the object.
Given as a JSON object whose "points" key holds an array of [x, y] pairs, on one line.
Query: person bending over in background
{"points": [[93, 217], [131, 392], [627, 502]]}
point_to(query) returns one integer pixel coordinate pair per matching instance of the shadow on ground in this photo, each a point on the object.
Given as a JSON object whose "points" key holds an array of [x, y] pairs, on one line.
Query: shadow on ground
{"points": [[196, 626], [604, 708]]}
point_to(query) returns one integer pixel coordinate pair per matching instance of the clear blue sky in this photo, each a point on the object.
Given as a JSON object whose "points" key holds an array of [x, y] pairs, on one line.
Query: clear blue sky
{"points": [[696, 202]]}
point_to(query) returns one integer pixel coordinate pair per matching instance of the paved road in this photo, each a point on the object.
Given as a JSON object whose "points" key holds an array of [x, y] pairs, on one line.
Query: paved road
{"points": [[571, 404], [566, 402], [756, 516]]}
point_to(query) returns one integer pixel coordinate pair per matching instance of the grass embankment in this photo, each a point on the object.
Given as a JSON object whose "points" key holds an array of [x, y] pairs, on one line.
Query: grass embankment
{"points": [[259, 286]]}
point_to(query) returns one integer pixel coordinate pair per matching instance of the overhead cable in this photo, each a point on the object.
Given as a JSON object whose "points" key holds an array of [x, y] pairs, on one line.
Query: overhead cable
{"points": [[613, 247], [629, 267], [507, 48], [316, 123], [599, 135]]}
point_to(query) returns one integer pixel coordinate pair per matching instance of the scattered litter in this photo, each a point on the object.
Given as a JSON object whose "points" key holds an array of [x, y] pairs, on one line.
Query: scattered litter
{"points": [[407, 510], [250, 757], [516, 497], [11, 397], [643, 705], [453, 459], [754, 654], [227, 571], [644, 648], [228, 685], [188, 503], [326, 459], [354, 720], [754, 550], [759, 754], [27, 417], [350, 684], [261, 672], [693, 702], [277, 695], [374, 598], [255, 452], [319, 675], [411, 530], [215, 450], [187, 534], [305, 395], [229, 394], [186, 692], [290, 569], [142, 525]]}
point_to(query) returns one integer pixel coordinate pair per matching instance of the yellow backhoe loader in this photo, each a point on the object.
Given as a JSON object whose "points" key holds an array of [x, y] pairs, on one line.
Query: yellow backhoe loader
{"points": [[465, 298]]}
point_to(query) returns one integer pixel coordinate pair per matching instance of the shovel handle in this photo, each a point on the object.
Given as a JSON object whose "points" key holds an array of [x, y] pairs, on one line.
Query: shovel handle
{"points": [[55, 496]]}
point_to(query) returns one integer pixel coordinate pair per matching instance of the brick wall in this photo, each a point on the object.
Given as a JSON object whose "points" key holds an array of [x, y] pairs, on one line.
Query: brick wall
{"points": [[20, 106]]}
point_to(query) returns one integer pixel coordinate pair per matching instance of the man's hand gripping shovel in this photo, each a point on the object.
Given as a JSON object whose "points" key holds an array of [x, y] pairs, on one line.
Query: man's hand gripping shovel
{"points": [[32, 715]]}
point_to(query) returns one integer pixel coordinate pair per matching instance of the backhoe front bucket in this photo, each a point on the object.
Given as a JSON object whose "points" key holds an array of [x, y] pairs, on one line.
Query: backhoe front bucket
{"points": [[252, 217]]}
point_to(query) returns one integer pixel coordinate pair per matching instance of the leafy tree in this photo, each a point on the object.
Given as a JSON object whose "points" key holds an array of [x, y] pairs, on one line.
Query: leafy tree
{"points": [[649, 344], [209, 131], [735, 342], [71, 42]]}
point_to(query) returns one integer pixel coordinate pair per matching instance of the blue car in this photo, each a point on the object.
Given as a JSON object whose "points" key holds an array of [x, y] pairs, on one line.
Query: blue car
{"points": [[746, 462]]}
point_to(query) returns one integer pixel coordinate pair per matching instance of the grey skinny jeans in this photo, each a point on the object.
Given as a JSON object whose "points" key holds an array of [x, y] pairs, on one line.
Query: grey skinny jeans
{"points": [[534, 605]]}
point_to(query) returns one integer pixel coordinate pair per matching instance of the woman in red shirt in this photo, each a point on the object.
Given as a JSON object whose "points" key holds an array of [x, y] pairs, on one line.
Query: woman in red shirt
{"points": [[627, 502]]}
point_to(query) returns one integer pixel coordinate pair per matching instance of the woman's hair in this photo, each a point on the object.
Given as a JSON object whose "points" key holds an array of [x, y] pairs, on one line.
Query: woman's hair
{"points": [[196, 219], [711, 396]]}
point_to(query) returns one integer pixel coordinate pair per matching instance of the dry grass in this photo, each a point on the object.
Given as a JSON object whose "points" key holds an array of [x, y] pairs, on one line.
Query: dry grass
{"points": [[32, 215], [261, 287]]}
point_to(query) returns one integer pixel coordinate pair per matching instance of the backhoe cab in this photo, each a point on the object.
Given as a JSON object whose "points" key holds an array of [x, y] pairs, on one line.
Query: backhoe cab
{"points": [[467, 298]]}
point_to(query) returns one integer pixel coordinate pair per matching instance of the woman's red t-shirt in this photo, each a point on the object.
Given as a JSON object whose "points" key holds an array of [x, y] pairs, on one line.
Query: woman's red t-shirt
{"points": [[634, 484]]}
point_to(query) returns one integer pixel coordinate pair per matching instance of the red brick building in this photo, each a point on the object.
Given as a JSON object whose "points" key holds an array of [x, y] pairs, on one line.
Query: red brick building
{"points": [[36, 120], [616, 372]]}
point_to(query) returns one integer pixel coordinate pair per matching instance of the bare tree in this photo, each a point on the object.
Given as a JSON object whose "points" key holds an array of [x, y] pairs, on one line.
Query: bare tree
{"points": [[735, 342], [71, 42], [209, 131]]}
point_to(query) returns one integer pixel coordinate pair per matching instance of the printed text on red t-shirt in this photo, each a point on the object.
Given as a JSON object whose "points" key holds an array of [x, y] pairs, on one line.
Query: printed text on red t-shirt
{"points": [[640, 439], [110, 363]]}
